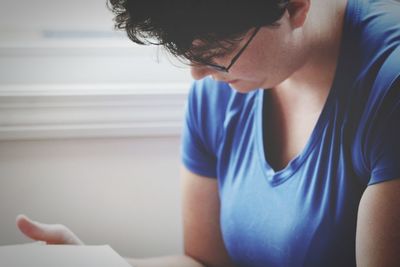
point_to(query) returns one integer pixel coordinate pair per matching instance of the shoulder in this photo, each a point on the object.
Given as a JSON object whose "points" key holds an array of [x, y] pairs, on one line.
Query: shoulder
{"points": [[372, 38], [210, 101], [376, 22], [208, 94], [205, 112], [384, 79], [374, 35], [375, 94], [376, 14], [377, 145], [207, 105], [211, 106]]}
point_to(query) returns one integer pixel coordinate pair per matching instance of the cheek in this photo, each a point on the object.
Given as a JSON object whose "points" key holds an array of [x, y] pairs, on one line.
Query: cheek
{"points": [[270, 63], [274, 66]]}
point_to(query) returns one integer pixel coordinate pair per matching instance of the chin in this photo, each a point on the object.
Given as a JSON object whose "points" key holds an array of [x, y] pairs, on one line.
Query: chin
{"points": [[242, 88]]}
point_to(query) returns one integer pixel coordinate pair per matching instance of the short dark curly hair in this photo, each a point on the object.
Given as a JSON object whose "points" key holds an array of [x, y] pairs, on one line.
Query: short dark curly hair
{"points": [[176, 24]]}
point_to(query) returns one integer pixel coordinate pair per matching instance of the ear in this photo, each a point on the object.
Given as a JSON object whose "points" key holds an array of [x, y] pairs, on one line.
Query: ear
{"points": [[298, 10]]}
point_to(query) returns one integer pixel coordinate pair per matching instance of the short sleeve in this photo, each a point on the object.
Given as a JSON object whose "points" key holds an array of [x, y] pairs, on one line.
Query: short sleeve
{"points": [[202, 125], [383, 150], [376, 144]]}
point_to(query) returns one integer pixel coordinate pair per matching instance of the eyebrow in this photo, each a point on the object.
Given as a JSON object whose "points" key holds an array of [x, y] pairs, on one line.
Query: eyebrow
{"points": [[207, 56]]}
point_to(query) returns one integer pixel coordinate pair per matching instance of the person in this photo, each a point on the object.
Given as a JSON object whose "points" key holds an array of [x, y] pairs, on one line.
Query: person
{"points": [[290, 147]]}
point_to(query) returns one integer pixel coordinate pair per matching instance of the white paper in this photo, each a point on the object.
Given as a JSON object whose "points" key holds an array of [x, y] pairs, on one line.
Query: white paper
{"points": [[35, 255]]}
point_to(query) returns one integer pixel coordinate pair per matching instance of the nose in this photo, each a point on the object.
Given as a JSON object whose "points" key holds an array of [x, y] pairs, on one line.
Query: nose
{"points": [[199, 72]]}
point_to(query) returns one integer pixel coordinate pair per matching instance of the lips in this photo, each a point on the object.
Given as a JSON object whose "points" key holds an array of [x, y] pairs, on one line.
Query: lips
{"points": [[222, 80], [231, 81]]}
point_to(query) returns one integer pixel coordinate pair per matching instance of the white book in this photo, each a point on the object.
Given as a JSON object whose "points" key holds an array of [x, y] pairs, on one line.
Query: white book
{"points": [[34, 255]]}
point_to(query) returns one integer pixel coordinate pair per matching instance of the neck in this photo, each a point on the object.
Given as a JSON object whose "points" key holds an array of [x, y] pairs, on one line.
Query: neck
{"points": [[323, 31]]}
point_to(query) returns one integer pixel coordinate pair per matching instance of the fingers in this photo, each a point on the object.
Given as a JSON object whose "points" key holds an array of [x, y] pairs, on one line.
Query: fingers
{"points": [[41, 232], [49, 233]]}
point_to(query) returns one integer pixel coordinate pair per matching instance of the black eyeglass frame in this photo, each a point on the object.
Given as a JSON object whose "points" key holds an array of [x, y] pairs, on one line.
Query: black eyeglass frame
{"points": [[235, 58]]}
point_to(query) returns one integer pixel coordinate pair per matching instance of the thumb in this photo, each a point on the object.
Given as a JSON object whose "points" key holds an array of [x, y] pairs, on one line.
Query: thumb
{"points": [[49, 233]]}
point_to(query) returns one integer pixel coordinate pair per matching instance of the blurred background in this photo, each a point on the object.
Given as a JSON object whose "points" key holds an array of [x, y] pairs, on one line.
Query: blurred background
{"points": [[89, 128]]}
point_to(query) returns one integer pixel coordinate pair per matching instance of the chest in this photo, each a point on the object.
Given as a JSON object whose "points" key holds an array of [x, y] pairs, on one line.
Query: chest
{"points": [[302, 215], [286, 131]]}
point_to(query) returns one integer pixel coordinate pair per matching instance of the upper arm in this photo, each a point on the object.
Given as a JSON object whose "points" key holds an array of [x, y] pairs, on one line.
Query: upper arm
{"points": [[378, 225], [201, 207]]}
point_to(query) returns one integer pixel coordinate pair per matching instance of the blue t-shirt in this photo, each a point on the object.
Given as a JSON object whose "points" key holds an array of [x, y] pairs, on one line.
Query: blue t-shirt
{"points": [[306, 213]]}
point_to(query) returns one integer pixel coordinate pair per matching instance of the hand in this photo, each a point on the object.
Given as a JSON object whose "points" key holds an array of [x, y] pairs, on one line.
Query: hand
{"points": [[49, 233]]}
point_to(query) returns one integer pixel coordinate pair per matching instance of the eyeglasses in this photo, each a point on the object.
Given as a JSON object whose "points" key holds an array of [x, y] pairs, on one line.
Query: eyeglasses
{"points": [[234, 59]]}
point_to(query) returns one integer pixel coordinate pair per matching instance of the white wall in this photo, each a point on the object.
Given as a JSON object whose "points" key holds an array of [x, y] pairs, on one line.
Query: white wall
{"points": [[54, 14], [89, 128], [122, 192]]}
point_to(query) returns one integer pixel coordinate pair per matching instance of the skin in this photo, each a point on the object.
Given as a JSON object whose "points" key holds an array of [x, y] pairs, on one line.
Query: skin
{"points": [[296, 62], [378, 227]]}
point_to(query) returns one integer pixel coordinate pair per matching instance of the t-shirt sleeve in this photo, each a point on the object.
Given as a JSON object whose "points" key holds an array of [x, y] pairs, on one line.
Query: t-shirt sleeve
{"points": [[201, 130], [380, 125], [383, 143]]}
